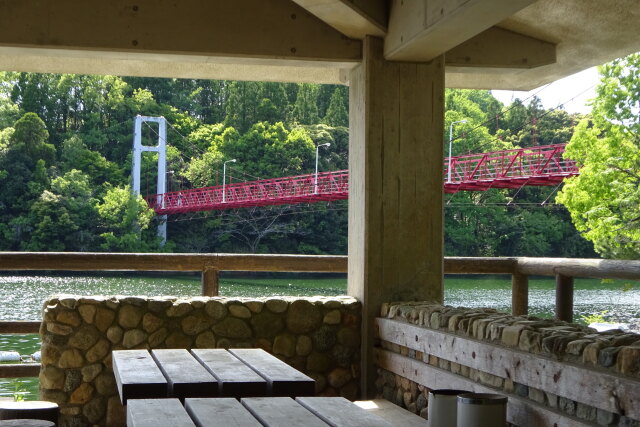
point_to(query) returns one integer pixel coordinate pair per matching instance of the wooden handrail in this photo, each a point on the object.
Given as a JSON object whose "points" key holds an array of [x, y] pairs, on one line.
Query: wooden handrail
{"points": [[19, 327], [520, 268]]}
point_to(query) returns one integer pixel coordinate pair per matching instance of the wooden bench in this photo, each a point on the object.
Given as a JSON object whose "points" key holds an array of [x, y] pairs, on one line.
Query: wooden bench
{"points": [[251, 412], [137, 375]]}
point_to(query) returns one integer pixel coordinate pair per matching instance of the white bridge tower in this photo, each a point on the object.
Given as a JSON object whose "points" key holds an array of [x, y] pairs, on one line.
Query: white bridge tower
{"points": [[161, 149]]}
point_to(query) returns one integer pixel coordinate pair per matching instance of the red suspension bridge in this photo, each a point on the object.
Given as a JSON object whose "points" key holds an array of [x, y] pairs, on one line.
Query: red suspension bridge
{"points": [[535, 166]]}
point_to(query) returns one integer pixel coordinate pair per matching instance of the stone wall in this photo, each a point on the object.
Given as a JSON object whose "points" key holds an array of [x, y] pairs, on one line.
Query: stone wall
{"points": [[319, 336], [613, 352]]}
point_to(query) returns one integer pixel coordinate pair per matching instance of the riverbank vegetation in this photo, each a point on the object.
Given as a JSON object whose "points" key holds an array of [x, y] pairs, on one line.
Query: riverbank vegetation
{"points": [[65, 162]]}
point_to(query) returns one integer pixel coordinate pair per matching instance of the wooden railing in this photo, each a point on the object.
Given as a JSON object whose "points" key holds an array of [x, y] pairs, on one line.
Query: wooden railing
{"points": [[15, 370], [519, 268]]}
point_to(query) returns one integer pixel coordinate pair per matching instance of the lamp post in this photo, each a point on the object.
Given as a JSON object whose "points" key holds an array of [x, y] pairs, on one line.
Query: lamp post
{"points": [[224, 179], [328, 144], [450, 141]]}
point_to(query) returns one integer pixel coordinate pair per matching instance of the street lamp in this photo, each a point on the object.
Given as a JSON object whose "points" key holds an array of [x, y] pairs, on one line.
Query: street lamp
{"points": [[328, 144], [450, 141], [224, 179]]}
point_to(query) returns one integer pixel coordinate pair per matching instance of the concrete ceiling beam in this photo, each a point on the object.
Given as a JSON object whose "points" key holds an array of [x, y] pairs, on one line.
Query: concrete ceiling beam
{"points": [[266, 30], [353, 18], [500, 48], [420, 30]]}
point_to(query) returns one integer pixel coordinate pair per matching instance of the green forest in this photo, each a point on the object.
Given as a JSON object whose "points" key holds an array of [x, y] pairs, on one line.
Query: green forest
{"points": [[65, 163]]}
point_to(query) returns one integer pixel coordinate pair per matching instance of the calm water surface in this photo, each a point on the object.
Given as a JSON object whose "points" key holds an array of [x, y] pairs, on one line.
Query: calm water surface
{"points": [[22, 298]]}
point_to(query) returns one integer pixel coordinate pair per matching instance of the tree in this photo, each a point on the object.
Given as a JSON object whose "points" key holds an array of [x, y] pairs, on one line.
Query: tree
{"points": [[604, 200], [338, 110]]}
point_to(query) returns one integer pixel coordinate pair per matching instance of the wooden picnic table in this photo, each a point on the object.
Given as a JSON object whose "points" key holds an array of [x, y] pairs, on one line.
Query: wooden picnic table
{"points": [[250, 412], [143, 374]]}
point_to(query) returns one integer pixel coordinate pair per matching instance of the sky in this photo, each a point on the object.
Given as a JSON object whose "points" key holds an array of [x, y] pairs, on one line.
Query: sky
{"points": [[573, 91]]}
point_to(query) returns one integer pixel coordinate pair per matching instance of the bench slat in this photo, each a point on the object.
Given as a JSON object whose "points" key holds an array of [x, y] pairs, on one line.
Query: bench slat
{"points": [[222, 412], [280, 412], [235, 378], [185, 375], [282, 379], [137, 375], [339, 412], [157, 413]]}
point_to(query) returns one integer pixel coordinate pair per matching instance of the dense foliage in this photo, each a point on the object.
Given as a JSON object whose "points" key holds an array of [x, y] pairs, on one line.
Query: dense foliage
{"points": [[65, 156], [604, 200]]}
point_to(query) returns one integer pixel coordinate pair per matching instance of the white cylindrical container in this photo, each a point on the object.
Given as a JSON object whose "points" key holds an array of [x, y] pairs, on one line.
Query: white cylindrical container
{"points": [[482, 410], [441, 407]]}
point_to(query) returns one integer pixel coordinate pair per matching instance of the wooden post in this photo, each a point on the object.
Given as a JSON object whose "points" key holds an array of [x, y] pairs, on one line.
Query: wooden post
{"points": [[564, 298], [396, 116], [210, 282], [519, 294]]}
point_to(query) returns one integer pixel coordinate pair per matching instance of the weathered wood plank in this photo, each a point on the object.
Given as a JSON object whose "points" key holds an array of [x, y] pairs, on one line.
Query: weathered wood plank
{"points": [[519, 294], [280, 412], [591, 387], [521, 412], [210, 282], [20, 327], [157, 413], [392, 413], [185, 376], [339, 412], [282, 379], [17, 370], [235, 378], [564, 298], [85, 261], [137, 375], [220, 412], [480, 265], [580, 267]]}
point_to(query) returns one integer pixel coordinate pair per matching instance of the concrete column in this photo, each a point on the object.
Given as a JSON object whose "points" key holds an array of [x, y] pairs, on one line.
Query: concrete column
{"points": [[396, 119]]}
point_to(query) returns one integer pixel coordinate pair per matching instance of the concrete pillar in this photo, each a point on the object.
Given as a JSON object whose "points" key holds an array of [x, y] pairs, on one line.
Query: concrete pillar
{"points": [[396, 119]]}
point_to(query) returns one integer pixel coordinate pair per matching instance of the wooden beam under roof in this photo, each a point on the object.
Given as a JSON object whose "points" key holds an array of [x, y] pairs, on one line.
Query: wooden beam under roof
{"points": [[353, 18], [270, 31], [421, 30]]}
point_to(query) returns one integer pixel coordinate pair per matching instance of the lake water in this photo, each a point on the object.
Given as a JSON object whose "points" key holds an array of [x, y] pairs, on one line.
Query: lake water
{"points": [[22, 298]]}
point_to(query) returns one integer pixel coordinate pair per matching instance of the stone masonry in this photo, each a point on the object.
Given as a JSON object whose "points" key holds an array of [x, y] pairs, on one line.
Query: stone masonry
{"points": [[319, 336], [615, 351]]}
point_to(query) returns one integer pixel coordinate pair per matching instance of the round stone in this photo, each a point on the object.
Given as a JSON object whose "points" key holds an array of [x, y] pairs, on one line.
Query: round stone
{"points": [[304, 345], [232, 327], [104, 318], [129, 316], [332, 318], [240, 311], [95, 410], [133, 338], [317, 362], [51, 377], [98, 351], [267, 324], [179, 309], [71, 358], [157, 337], [284, 345], [106, 384], [206, 340], [151, 323], [303, 317], [84, 338], [88, 312], [254, 306], [215, 309], [339, 377], [194, 324], [277, 305], [59, 328], [114, 334], [82, 394], [69, 318], [90, 372], [178, 340]]}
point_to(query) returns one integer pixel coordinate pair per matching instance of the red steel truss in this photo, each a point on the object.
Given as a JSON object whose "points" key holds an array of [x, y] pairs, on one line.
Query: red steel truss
{"points": [[537, 166]]}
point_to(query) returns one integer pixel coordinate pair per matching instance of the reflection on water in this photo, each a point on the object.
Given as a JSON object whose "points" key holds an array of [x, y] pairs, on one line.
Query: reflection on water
{"points": [[23, 297]]}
